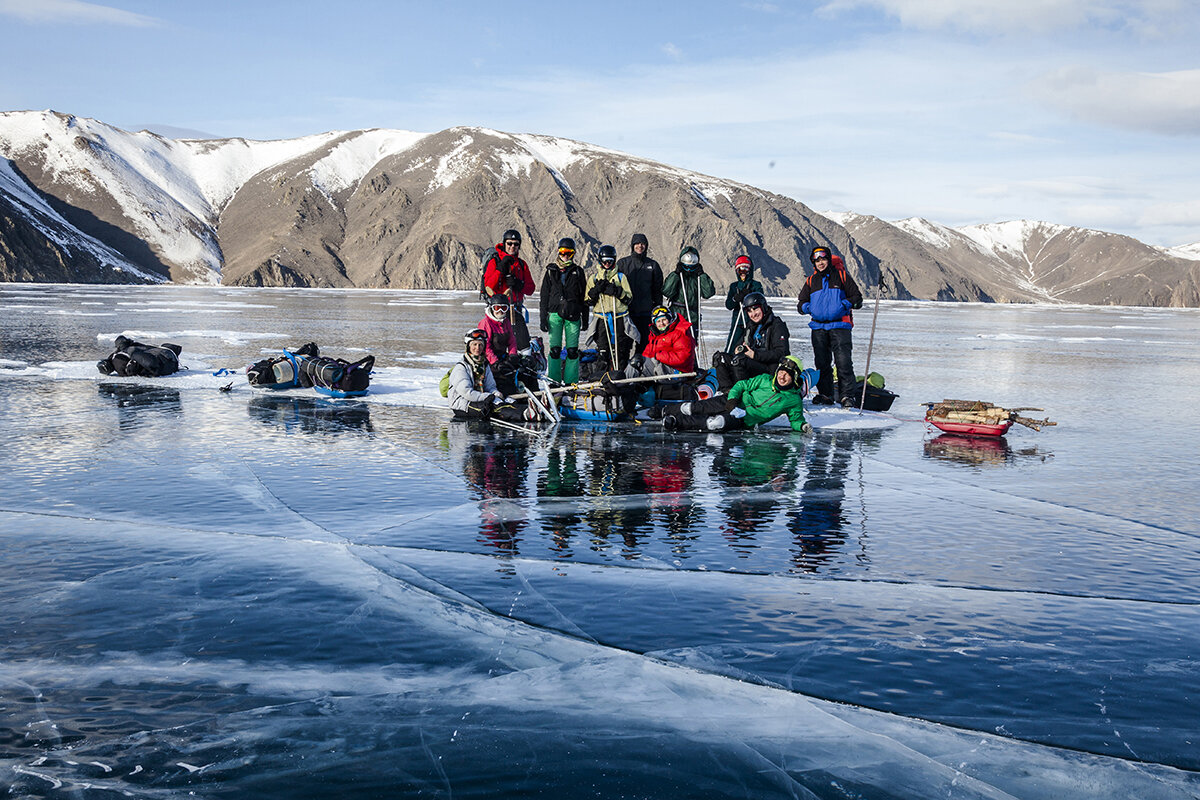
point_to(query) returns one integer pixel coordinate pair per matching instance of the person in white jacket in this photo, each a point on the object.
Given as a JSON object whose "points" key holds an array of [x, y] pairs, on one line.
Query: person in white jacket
{"points": [[472, 391]]}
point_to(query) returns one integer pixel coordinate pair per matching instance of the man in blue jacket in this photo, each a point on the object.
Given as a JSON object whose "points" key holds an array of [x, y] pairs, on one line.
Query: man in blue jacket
{"points": [[828, 296]]}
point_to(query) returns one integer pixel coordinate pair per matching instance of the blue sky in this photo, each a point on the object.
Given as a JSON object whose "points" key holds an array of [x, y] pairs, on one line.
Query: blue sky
{"points": [[1081, 112]]}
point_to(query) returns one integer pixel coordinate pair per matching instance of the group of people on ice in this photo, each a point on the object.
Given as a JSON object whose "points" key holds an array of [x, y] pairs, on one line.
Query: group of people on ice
{"points": [[643, 324]]}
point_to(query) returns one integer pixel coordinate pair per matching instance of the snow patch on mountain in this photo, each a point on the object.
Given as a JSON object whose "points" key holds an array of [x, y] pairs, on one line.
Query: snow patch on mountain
{"points": [[45, 219], [1188, 251], [1010, 237], [349, 161], [456, 164]]}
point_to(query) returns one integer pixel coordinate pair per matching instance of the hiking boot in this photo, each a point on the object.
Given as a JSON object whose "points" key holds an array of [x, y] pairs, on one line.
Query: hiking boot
{"points": [[670, 423], [654, 412], [848, 402], [822, 400]]}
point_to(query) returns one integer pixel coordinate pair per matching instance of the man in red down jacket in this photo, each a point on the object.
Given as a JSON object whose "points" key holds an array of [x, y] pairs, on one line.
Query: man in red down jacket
{"points": [[671, 347], [506, 273]]}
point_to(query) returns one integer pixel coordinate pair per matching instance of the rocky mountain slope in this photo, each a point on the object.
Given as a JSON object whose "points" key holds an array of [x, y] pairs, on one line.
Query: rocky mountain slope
{"points": [[84, 201], [1025, 261]]}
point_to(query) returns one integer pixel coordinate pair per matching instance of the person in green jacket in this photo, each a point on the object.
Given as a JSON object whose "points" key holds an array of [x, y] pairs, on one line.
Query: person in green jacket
{"points": [[750, 403], [687, 286], [744, 285]]}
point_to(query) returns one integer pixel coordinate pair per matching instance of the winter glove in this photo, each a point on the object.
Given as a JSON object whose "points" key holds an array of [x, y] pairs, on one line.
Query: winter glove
{"points": [[847, 305], [806, 308], [514, 282], [637, 362], [544, 324], [740, 295], [806, 428], [489, 405], [611, 289], [507, 263], [737, 413]]}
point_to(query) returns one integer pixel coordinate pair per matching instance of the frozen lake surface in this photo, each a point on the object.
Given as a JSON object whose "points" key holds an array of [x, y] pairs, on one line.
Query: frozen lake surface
{"points": [[247, 594]]}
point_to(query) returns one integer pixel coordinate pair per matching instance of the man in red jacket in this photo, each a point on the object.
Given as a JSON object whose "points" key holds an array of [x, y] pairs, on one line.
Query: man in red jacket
{"points": [[506, 273]]}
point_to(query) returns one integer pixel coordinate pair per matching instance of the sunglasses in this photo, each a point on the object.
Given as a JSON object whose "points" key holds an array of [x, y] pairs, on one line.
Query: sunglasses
{"points": [[512, 244], [608, 261]]}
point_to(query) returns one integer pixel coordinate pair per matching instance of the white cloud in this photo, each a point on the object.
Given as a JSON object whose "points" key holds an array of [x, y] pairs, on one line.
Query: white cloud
{"points": [[1186, 212], [672, 50], [1145, 17], [72, 12], [1166, 102]]}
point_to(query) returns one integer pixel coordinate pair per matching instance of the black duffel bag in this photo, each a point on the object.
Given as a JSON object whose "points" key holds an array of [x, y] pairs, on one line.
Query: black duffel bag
{"points": [[132, 358]]}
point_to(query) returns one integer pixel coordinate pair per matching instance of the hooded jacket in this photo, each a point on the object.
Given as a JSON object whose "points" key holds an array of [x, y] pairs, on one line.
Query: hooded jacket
{"points": [[828, 296], [645, 280], [463, 390], [764, 401], [686, 286], [768, 339], [501, 341], [674, 347]]}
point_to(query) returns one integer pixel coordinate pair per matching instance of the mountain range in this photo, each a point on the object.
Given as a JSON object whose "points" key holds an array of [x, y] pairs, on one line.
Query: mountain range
{"points": [[83, 201]]}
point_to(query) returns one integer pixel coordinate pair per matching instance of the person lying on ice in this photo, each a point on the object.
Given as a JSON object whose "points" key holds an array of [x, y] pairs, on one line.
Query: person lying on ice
{"points": [[671, 347], [472, 391], [750, 403]]}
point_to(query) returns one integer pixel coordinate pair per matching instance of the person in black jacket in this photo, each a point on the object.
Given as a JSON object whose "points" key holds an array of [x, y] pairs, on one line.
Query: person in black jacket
{"points": [[764, 345], [563, 311], [645, 281]]}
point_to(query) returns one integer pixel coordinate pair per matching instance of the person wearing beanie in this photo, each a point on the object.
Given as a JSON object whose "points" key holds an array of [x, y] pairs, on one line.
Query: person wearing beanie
{"points": [[687, 285], [764, 344], [506, 273], [471, 388], [743, 285], [563, 311], [829, 295], [645, 281], [750, 403]]}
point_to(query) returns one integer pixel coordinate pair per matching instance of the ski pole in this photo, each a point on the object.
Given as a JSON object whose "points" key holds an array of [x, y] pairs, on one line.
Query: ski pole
{"points": [[870, 345]]}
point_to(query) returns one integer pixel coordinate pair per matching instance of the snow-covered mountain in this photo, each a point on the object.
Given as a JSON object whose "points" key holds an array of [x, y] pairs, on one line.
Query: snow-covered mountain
{"points": [[383, 207], [1025, 261], [84, 201]]}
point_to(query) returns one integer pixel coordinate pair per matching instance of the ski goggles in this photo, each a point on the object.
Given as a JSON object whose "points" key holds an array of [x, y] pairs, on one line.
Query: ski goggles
{"points": [[475, 336], [660, 314], [566, 251], [819, 253], [689, 259]]}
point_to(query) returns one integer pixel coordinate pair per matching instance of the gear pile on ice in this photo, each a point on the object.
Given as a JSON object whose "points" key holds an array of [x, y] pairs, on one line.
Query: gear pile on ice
{"points": [[134, 358], [306, 367]]}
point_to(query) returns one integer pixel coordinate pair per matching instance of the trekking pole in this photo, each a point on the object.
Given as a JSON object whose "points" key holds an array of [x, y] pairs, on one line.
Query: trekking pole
{"points": [[612, 334], [870, 345], [741, 321]]}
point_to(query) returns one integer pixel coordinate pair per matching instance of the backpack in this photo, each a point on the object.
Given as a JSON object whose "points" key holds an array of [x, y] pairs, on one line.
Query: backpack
{"points": [[132, 358], [444, 383]]}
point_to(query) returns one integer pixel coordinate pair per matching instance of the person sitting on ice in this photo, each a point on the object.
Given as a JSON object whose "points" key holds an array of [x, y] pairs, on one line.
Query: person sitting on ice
{"points": [[501, 349], [750, 403], [764, 343], [671, 347], [612, 332], [472, 389]]}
